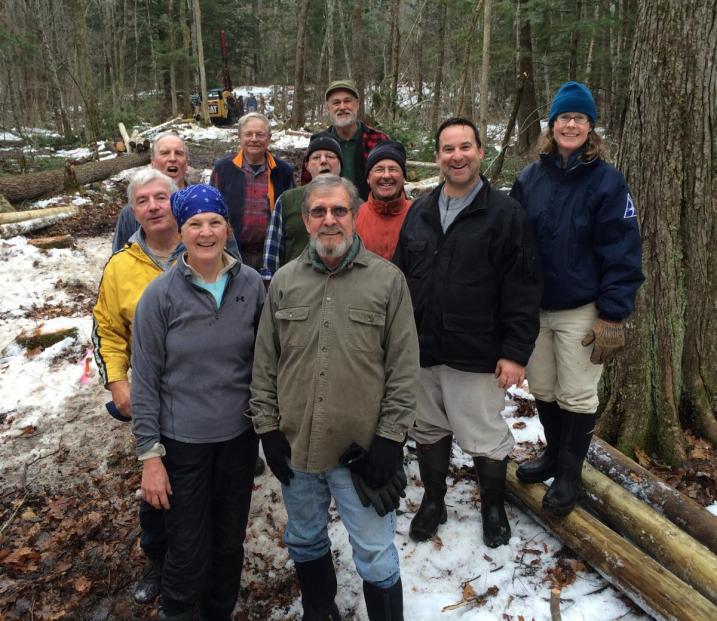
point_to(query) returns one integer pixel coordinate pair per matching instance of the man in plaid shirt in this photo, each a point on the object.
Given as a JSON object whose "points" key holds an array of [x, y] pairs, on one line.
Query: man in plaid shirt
{"points": [[286, 236], [355, 137]]}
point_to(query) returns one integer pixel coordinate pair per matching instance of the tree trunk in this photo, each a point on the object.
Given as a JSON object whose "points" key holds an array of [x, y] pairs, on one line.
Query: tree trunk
{"points": [[297, 112], [358, 59], [418, 50], [196, 9], [18, 188], [573, 63], [591, 46], [84, 74], [485, 70], [395, 55], [667, 374], [528, 117], [461, 108], [331, 56], [442, 7], [172, 64], [186, 60]]}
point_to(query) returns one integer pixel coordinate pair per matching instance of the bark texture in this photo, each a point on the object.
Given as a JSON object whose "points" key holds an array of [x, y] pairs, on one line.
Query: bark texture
{"points": [[667, 377]]}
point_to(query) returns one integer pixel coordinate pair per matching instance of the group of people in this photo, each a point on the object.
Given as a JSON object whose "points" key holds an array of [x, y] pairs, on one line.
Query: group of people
{"points": [[377, 320]]}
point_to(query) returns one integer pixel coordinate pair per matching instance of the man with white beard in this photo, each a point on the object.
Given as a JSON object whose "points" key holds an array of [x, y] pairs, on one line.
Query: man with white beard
{"points": [[333, 395], [355, 137]]}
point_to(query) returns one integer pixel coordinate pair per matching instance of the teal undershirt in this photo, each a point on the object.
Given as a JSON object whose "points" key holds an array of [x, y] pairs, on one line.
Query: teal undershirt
{"points": [[215, 288]]}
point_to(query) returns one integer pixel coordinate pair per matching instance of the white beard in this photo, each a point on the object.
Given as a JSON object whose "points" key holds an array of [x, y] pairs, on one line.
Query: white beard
{"points": [[330, 252]]}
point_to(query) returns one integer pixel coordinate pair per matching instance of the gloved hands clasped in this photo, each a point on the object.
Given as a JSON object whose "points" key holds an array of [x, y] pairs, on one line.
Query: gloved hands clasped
{"points": [[277, 452], [386, 496], [607, 338]]}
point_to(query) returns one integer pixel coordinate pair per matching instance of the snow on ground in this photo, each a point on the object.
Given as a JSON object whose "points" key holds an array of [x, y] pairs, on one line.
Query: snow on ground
{"points": [[712, 509], [9, 137], [57, 392]]}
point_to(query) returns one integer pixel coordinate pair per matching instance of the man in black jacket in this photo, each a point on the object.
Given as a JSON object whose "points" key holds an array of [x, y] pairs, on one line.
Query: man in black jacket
{"points": [[470, 261]]}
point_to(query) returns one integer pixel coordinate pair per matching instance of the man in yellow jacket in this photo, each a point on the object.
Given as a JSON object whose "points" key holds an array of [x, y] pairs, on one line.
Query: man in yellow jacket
{"points": [[151, 250]]}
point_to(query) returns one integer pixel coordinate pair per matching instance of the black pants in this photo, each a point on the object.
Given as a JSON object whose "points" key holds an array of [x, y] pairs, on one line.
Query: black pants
{"points": [[153, 539], [206, 523]]}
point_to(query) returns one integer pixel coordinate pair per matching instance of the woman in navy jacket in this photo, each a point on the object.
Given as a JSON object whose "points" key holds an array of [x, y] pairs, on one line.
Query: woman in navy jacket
{"points": [[587, 234]]}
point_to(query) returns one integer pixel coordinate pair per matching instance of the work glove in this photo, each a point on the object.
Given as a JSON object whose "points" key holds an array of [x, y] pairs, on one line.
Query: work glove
{"points": [[383, 459], [385, 498], [277, 452], [607, 338]]}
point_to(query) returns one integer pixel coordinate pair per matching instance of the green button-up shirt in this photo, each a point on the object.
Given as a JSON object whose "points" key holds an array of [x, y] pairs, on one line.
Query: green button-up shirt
{"points": [[336, 358]]}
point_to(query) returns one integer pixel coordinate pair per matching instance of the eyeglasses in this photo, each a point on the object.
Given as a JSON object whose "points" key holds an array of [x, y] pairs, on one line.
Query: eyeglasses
{"points": [[337, 212], [316, 157], [254, 135], [383, 170], [580, 119], [346, 101]]}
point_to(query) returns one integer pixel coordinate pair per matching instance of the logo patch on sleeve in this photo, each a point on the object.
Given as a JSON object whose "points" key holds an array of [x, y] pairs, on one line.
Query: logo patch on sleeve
{"points": [[630, 211]]}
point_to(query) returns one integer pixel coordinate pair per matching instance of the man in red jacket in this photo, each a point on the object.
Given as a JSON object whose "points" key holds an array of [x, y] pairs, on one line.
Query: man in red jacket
{"points": [[380, 218]]}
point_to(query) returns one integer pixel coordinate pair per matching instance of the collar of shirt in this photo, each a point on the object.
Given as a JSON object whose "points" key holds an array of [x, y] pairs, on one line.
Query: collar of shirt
{"points": [[348, 257], [228, 262]]}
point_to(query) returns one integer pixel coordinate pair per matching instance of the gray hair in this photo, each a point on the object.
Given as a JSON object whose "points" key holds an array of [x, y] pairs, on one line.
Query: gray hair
{"points": [[167, 134], [254, 115], [145, 176], [325, 183]]}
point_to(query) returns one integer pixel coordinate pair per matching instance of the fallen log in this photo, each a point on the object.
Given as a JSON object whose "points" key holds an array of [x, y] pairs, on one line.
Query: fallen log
{"points": [[18, 188], [417, 164], [57, 241], [674, 549], [691, 517], [416, 188], [21, 222], [653, 588]]}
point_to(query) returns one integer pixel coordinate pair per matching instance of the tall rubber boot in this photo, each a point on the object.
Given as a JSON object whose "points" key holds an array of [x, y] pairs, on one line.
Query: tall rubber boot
{"points": [[384, 604], [575, 435], [433, 462], [491, 477], [545, 466], [317, 580]]}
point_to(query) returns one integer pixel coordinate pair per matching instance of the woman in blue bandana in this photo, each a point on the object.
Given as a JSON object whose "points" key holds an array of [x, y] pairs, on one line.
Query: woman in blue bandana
{"points": [[588, 238], [192, 352]]}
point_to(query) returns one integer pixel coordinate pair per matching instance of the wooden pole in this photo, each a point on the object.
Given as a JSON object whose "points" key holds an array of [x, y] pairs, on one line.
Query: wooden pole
{"points": [[652, 587], [674, 549], [694, 519]]}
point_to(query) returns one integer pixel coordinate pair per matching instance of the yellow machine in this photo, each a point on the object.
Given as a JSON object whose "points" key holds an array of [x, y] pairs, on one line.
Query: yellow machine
{"points": [[222, 106]]}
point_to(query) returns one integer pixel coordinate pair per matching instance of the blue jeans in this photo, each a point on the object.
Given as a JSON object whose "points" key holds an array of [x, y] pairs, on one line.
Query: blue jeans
{"points": [[307, 499]]}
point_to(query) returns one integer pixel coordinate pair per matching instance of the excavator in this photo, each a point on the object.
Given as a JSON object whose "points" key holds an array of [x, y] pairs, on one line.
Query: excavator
{"points": [[223, 107]]}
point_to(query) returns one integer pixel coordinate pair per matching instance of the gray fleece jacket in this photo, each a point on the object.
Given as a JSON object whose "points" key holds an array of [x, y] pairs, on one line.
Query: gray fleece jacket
{"points": [[191, 362]]}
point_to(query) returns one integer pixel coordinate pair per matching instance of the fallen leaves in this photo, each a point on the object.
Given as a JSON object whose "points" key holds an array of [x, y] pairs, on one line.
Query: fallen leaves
{"points": [[471, 598]]}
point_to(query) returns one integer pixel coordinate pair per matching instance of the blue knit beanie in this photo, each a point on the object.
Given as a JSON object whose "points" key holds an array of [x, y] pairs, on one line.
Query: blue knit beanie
{"points": [[573, 97], [197, 199]]}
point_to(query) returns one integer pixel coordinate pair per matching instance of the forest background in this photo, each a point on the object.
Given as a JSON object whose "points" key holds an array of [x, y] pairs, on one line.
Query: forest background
{"points": [[80, 66]]}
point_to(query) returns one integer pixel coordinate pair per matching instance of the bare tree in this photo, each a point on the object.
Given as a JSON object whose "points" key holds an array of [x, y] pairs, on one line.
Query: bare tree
{"points": [[196, 9], [297, 113], [528, 116], [485, 69], [461, 107], [442, 7]]}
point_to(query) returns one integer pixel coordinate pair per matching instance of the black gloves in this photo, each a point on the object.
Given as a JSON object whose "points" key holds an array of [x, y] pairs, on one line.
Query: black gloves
{"points": [[384, 498], [277, 451], [382, 461]]}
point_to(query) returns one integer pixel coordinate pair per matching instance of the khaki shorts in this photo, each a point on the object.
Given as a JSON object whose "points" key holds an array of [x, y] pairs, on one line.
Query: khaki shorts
{"points": [[468, 405], [560, 368]]}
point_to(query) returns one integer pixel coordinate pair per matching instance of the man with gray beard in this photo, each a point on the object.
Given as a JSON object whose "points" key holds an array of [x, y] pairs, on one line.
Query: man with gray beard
{"points": [[355, 137], [333, 395]]}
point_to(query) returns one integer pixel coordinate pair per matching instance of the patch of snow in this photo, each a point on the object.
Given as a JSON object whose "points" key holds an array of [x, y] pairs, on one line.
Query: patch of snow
{"points": [[713, 508], [8, 137]]}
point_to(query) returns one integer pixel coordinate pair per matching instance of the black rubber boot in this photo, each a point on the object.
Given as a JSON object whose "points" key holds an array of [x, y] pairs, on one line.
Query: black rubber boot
{"points": [[545, 466], [259, 467], [166, 612], [433, 462], [491, 477], [384, 604], [575, 436], [147, 588], [317, 580]]}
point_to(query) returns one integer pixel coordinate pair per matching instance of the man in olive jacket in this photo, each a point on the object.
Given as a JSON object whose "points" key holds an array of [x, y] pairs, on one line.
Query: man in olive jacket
{"points": [[469, 257], [335, 365]]}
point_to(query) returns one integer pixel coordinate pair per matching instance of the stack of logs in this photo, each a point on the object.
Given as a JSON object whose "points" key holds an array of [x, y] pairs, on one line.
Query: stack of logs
{"points": [[655, 544]]}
